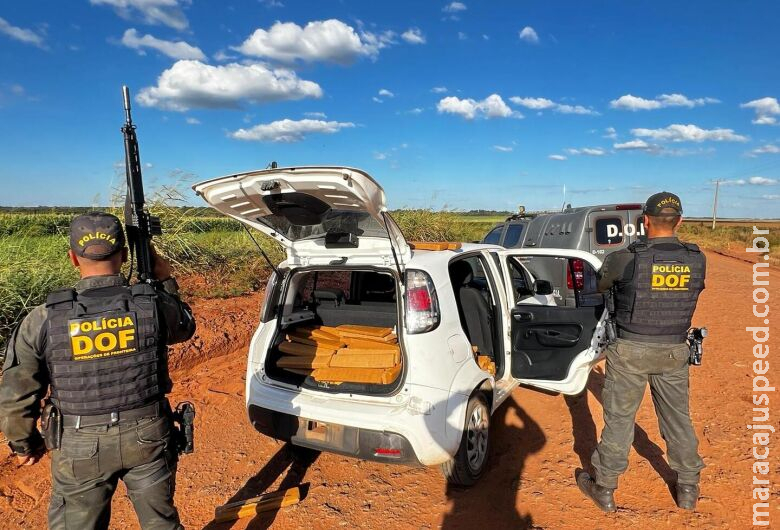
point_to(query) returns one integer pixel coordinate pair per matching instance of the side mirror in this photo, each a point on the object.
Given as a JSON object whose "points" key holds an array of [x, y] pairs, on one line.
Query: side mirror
{"points": [[542, 287]]}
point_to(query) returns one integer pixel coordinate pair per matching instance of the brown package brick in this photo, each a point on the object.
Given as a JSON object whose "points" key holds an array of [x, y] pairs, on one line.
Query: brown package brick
{"points": [[315, 361], [377, 376], [295, 349], [374, 360]]}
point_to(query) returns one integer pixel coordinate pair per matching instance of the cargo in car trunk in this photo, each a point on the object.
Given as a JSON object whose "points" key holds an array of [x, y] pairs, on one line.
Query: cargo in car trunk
{"points": [[338, 331]]}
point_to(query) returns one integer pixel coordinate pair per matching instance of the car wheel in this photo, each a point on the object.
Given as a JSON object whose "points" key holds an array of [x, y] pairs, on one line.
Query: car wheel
{"points": [[470, 462]]}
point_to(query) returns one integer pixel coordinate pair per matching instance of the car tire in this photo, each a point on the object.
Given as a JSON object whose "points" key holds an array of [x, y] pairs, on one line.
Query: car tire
{"points": [[471, 460]]}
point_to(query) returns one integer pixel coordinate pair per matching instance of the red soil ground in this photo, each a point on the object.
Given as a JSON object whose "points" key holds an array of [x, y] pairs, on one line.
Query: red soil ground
{"points": [[538, 442]]}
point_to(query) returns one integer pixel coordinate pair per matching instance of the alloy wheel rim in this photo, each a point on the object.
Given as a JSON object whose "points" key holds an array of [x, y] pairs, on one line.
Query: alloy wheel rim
{"points": [[477, 438]]}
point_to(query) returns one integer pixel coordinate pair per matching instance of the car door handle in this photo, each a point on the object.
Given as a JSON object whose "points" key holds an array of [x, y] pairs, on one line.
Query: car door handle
{"points": [[550, 337], [522, 316]]}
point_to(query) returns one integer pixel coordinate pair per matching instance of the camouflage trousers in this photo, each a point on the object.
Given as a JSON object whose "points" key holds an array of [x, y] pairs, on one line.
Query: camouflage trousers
{"points": [[91, 461], [631, 365]]}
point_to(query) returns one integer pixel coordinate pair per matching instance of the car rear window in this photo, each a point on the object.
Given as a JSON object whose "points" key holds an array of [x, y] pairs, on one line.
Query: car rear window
{"points": [[512, 235], [494, 236], [609, 231]]}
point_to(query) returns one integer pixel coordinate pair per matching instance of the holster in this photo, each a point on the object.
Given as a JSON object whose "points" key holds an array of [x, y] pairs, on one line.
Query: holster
{"points": [[184, 432], [51, 425]]}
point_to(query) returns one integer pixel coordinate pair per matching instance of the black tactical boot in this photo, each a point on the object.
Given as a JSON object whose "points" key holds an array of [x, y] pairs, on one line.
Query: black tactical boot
{"points": [[687, 495], [601, 496]]}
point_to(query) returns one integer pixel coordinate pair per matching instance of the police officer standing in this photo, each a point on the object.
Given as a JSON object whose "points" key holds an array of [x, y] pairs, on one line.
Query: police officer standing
{"points": [[656, 283], [101, 349]]}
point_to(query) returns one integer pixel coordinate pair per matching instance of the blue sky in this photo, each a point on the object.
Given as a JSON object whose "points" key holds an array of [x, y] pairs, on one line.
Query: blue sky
{"points": [[454, 105]]}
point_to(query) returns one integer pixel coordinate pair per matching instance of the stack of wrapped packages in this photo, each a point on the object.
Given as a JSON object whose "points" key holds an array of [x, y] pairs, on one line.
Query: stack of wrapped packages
{"points": [[342, 354]]}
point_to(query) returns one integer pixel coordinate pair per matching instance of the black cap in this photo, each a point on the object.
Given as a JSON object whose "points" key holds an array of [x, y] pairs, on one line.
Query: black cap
{"points": [[96, 235], [663, 204]]}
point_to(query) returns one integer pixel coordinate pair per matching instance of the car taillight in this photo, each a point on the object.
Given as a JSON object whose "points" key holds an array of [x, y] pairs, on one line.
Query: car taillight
{"points": [[577, 266], [422, 305], [628, 207]]}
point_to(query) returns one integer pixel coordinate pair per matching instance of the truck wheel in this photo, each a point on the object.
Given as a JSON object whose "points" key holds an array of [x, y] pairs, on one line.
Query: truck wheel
{"points": [[470, 462]]}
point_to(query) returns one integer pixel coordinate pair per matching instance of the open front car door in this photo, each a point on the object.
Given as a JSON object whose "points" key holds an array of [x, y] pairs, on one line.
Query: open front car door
{"points": [[557, 316]]}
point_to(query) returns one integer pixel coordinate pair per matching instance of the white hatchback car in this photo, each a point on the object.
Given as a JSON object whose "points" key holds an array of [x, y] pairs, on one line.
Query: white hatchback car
{"points": [[450, 306]]}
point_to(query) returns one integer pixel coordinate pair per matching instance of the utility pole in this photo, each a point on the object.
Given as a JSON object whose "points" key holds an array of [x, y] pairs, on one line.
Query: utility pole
{"points": [[715, 204]]}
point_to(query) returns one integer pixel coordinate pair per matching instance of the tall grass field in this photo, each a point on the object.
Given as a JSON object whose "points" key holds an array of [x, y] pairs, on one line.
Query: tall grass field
{"points": [[217, 257]]}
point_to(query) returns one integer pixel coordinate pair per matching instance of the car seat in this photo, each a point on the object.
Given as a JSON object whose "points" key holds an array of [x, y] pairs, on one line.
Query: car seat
{"points": [[475, 312]]}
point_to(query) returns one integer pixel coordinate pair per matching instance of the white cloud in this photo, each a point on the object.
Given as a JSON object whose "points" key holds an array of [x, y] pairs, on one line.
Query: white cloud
{"points": [[192, 121], [288, 131], [634, 103], [762, 181], [610, 133], [454, 7], [377, 100], [413, 36], [766, 110], [771, 197], [764, 150], [462, 36], [587, 151], [533, 103], [380, 156], [439, 89], [192, 84], [415, 111], [320, 115], [330, 41], [556, 157], [545, 104], [165, 12], [633, 145], [752, 181], [503, 148], [574, 109], [689, 133], [385, 93], [175, 50], [528, 34], [490, 107], [271, 3], [24, 35]]}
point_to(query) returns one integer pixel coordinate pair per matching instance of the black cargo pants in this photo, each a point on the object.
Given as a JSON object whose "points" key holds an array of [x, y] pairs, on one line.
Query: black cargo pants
{"points": [[630, 366], [90, 462]]}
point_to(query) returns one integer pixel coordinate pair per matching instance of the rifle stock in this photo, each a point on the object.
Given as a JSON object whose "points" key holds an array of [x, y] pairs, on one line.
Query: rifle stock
{"points": [[139, 225]]}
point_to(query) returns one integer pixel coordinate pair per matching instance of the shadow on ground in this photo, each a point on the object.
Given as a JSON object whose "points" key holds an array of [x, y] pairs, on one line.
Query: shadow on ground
{"points": [[492, 502], [297, 459]]}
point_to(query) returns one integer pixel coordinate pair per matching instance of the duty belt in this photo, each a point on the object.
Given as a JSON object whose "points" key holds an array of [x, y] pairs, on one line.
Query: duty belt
{"points": [[153, 410], [655, 339]]}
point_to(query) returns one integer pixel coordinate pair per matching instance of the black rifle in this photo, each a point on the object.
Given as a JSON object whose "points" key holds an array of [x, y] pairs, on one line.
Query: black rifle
{"points": [[139, 224], [695, 340]]}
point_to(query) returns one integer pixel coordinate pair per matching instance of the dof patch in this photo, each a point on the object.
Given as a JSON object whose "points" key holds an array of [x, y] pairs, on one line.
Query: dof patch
{"points": [[108, 336], [671, 277]]}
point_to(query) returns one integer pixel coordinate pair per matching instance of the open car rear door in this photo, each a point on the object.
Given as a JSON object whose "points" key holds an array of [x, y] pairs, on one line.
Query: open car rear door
{"points": [[319, 214], [557, 316]]}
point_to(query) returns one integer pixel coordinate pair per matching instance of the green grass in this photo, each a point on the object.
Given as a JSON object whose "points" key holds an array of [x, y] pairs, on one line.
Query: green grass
{"points": [[217, 257]]}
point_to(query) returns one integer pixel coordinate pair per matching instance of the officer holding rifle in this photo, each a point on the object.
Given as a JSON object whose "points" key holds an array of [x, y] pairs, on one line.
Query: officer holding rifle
{"points": [[99, 352], [655, 285]]}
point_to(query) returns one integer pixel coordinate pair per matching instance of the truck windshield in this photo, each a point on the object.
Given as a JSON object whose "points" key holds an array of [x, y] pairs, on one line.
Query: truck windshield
{"points": [[512, 235]]}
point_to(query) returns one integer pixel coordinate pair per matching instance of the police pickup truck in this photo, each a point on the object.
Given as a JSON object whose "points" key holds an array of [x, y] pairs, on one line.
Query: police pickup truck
{"points": [[599, 230]]}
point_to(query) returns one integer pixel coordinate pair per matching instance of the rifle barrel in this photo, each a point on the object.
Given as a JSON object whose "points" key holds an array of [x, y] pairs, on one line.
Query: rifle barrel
{"points": [[126, 97]]}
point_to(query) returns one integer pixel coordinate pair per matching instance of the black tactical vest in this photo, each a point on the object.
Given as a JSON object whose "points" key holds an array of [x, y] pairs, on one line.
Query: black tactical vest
{"points": [[658, 304], [105, 350]]}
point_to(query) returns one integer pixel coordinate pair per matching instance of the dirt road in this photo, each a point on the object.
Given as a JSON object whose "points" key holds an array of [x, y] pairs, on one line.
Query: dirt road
{"points": [[539, 441]]}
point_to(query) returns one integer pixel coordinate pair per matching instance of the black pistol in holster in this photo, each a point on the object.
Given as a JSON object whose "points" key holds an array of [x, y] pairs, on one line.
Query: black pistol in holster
{"points": [[695, 340], [184, 416], [609, 324], [51, 425]]}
